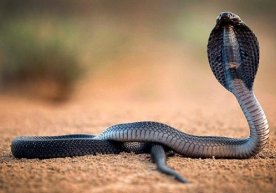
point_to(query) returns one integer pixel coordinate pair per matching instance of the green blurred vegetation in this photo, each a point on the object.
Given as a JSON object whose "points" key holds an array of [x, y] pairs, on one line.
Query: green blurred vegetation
{"points": [[54, 50], [30, 51], [33, 50]]}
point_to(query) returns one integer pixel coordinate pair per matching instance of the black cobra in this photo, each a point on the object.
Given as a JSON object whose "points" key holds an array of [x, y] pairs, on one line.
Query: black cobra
{"points": [[233, 53]]}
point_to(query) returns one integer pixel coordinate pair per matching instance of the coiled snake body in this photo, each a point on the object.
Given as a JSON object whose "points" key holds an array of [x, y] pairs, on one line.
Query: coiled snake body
{"points": [[233, 54]]}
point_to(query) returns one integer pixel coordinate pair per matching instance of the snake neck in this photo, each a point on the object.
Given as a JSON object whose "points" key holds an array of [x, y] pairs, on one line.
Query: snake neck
{"points": [[255, 116]]}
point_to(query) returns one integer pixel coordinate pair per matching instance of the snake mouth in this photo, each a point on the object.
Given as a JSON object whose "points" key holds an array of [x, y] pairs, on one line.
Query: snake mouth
{"points": [[228, 18]]}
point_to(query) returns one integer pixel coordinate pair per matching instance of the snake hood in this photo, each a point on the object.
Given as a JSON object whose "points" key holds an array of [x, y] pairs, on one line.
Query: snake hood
{"points": [[233, 51]]}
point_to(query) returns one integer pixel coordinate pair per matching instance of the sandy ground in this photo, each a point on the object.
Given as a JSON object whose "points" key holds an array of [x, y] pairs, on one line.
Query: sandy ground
{"points": [[168, 88]]}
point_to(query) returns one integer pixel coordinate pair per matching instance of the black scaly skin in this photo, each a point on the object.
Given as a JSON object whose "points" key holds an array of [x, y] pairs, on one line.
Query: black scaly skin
{"points": [[233, 53], [71, 145], [158, 155]]}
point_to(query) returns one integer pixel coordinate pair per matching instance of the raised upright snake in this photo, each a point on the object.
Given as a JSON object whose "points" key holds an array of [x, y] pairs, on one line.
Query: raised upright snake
{"points": [[233, 53]]}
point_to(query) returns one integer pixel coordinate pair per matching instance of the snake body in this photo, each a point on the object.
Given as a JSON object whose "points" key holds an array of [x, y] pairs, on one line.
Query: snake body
{"points": [[233, 53]]}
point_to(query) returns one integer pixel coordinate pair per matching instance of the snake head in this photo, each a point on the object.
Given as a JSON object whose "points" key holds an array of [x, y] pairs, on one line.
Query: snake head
{"points": [[226, 18]]}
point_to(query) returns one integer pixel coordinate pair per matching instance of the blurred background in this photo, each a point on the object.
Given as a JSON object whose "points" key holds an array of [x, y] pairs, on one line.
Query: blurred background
{"points": [[55, 50]]}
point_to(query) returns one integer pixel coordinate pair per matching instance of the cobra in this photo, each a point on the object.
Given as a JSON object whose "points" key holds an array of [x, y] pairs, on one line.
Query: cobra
{"points": [[233, 53]]}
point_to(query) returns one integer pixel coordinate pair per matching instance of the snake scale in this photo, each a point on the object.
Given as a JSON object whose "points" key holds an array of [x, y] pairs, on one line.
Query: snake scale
{"points": [[233, 53]]}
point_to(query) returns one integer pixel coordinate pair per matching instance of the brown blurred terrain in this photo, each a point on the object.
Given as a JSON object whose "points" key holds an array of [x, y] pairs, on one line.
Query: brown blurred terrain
{"points": [[125, 62]]}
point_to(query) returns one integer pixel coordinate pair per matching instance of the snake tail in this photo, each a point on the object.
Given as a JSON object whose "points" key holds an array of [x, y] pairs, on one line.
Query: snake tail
{"points": [[159, 157]]}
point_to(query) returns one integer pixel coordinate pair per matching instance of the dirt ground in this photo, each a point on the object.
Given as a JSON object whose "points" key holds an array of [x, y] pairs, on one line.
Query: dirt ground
{"points": [[169, 87]]}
